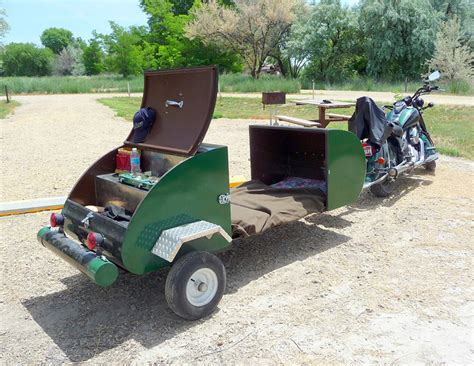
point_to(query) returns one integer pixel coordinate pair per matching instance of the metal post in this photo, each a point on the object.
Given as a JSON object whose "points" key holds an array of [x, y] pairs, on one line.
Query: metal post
{"points": [[6, 94], [406, 84], [128, 88], [313, 89]]}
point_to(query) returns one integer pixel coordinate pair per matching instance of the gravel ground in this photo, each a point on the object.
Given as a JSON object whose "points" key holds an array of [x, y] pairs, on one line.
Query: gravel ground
{"points": [[381, 281]]}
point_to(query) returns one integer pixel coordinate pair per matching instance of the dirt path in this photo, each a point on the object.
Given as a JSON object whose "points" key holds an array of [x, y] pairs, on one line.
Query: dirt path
{"points": [[50, 140], [382, 281]]}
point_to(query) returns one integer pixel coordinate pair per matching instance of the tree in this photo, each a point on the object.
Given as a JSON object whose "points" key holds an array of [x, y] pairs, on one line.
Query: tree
{"points": [[69, 61], [166, 44], [254, 29], [93, 58], [332, 39], [4, 27], [463, 10], [452, 58], [124, 52], [400, 36], [56, 39], [182, 7], [26, 59], [293, 54]]}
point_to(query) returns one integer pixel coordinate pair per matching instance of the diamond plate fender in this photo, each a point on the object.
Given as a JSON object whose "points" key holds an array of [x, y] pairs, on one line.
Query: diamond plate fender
{"points": [[170, 241]]}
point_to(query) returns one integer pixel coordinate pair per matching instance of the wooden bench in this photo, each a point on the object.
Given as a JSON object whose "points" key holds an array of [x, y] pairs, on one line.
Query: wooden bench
{"points": [[297, 121], [338, 117]]}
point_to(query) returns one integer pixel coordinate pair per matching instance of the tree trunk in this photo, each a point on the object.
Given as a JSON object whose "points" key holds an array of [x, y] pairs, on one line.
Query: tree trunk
{"points": [[282, 67], [258, 70]]}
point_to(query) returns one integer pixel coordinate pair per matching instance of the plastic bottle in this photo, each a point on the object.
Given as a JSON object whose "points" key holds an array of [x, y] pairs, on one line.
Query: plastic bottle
{"points": [[135, 162]]}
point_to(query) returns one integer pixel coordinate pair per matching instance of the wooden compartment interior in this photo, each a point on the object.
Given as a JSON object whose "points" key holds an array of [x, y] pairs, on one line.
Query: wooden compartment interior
{"points": [[99, 186], [280, 152]]}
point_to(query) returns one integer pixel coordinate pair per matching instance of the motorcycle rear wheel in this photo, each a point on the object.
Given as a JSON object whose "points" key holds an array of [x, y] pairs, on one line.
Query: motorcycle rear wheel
{"points": [[430, 166], [383, 189]]}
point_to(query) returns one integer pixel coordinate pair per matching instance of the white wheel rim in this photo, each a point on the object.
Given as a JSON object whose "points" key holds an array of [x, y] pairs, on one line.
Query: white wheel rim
{"points": [[201, 287]]}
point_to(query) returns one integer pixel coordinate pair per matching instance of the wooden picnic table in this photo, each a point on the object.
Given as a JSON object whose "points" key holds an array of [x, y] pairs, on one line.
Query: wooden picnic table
{"points": [[327, 118]]}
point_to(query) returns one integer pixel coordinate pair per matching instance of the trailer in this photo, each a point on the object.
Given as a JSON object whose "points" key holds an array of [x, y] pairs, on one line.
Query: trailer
{"points": [[188, 213]]}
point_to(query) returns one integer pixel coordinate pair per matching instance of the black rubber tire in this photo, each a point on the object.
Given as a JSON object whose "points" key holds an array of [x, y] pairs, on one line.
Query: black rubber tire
{"points": [[431, 166], [178, 277], [383, 189]]}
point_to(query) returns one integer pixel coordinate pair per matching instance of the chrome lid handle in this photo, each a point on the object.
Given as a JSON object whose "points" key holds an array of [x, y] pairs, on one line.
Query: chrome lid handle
{"points": [[174, 103]]}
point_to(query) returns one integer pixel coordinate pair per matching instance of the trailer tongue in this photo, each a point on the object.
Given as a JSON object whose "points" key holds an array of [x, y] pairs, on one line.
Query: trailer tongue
{"points": [[183, 213]]}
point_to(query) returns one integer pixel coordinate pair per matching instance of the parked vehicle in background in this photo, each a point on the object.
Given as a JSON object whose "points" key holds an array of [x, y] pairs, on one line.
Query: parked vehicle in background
{"points": [[395, 143]]}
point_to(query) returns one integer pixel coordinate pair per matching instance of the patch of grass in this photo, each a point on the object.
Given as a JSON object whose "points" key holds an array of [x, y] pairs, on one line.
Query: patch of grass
{"points": [[367, 84], [115, 83], [239, 83], [71, 84], [232, 83], [452, 127], [459, 87], [7, 108], [123, 106]]}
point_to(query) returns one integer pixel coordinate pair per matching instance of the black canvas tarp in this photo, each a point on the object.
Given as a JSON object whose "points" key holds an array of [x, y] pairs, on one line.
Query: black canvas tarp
{"points": [[369, 122]]}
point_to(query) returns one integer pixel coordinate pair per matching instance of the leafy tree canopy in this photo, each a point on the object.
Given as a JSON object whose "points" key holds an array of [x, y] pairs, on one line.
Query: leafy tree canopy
{"points": [[4, 27], [124, 51], [56, 39], [400, 36], [332, 37], [453, 58], [26, 59], [93, 58], [69, 61], [254, 29], [167, 44]]}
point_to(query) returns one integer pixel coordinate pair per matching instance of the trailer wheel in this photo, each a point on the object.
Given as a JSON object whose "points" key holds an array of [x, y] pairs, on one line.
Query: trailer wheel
{"points": [[195, 285]]}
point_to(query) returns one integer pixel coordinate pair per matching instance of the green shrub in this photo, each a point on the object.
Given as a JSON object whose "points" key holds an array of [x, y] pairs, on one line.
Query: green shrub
{"points": [[458, 87], [26, 59]]}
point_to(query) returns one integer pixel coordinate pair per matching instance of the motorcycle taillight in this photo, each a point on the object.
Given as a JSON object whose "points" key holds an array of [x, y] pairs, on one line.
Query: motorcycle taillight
{"points": [[368, 150]]}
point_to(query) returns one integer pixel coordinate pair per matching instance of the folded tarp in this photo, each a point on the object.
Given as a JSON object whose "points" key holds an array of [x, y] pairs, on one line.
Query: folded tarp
{"points": [[256, 207]]}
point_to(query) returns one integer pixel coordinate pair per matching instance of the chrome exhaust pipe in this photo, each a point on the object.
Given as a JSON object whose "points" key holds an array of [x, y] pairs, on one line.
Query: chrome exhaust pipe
{"points": [[377, 181]]}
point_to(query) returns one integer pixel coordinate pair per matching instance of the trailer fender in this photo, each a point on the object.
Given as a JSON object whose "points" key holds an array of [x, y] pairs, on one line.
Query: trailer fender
{"points": [[170, 241]]}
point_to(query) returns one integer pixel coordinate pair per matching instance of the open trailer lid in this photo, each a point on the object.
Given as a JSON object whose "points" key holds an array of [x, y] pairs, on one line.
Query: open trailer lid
{"points": [[184, 101]]}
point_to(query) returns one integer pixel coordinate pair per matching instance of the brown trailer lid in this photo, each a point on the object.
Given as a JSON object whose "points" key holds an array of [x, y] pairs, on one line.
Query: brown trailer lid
{"points": [[184, 101]]}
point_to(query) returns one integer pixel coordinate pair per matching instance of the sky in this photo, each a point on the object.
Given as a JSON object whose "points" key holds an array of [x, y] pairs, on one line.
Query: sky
{"points": [[29, 18]]}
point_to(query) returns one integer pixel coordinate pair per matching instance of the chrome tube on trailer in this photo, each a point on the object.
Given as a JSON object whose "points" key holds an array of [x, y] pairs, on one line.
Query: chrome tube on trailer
{"points": [[96, 267]]}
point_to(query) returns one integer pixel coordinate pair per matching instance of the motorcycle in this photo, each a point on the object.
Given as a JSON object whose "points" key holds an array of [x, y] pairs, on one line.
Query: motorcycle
{"points": [[396, 142]]}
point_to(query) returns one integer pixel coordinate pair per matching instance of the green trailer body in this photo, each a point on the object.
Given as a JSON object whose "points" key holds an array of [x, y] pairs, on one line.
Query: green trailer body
{"points": [[346, 168], [188, 193], [187, 212]]}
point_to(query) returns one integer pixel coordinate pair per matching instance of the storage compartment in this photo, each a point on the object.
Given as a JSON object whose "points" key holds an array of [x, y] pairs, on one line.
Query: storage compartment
{"points": [[277, 153], [100, 186], [289, 179], [109, 191], [334, 157]]}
